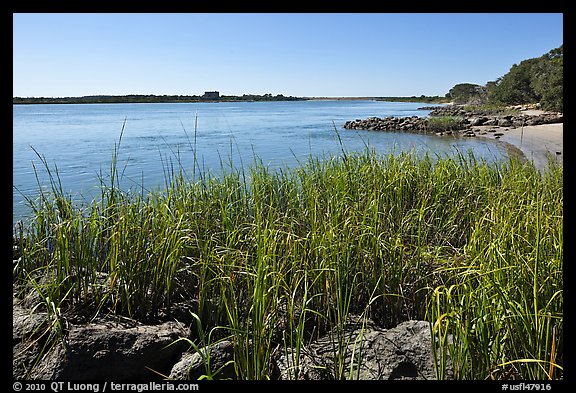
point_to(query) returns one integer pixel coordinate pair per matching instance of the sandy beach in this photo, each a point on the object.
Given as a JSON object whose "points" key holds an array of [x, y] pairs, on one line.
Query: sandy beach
{"points": [[535, 142]]}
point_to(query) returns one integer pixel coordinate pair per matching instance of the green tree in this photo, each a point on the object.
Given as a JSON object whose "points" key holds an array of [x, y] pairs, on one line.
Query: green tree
{"points": [[533, 80], [467, 93], [515, 87], [547, 80]]}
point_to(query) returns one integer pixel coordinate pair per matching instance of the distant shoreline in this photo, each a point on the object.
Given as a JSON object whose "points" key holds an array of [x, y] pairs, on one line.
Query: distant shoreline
{"points": [[421, 99], [170, 99], [150, 99]]}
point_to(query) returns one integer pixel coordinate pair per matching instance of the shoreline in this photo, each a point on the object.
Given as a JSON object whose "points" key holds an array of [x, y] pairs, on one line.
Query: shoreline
{"points": [[533, 134], [535, 143]]}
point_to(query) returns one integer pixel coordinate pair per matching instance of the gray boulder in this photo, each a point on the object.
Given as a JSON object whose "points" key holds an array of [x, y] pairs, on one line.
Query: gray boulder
{"points": [[116, 348], [215, 359], [28, 332], [504, 122], [369, 353], [477, 121]]}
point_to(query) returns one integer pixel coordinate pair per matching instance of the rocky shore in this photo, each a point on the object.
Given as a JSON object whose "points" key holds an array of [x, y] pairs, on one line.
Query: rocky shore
{"points": [[116, 348], [464, 122], [111, 347]]}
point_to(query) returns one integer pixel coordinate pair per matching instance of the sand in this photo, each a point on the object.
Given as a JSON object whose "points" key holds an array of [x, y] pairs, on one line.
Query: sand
{"points": [[537, 143]]}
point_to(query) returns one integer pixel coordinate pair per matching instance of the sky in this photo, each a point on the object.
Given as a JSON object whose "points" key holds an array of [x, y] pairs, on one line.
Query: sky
{"points": [[300, 54]]}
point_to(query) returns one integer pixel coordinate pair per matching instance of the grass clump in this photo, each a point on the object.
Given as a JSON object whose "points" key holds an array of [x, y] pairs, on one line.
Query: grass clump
{"points": [[445, 123], [273, 259]]}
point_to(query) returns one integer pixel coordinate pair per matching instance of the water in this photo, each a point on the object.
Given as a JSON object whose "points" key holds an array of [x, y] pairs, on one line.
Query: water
{"points": [[80, 139]]}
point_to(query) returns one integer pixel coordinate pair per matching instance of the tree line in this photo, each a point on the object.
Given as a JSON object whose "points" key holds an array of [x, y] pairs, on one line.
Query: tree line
{"points": [[422, 98], [537, 80], [149, 98]]}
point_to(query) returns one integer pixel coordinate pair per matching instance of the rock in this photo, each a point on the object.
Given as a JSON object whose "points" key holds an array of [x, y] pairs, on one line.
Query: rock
{"points": [[533, 122], [192, 365], [25, 323], [28, 335], [389, 123], [105, 349], [504, 122], [491, 122], [403, 352], [477, 121]]}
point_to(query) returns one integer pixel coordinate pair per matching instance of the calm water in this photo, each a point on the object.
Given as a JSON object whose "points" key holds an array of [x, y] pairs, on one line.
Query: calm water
{"points": [[80, 139]]}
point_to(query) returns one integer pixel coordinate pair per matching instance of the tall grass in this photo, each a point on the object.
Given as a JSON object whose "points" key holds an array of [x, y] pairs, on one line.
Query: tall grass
{"points": [[274, 259], [503, 306]]}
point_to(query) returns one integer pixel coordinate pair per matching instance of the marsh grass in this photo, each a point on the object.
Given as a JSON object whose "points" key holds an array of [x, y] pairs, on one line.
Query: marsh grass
{"points": [[504, 306], [445, 123], [274, 259]]}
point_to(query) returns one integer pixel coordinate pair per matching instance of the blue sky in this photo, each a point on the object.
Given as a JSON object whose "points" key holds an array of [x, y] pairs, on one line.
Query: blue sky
{"points": [[317, 54]]}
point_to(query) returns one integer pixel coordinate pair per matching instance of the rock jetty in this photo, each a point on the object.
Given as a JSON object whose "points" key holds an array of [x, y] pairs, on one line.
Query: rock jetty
{"points": [[462, 121], [390, 123]]}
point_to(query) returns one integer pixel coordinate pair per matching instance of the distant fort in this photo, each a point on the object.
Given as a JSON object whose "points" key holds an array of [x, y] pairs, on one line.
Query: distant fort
{"points": [[211, 95]]}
